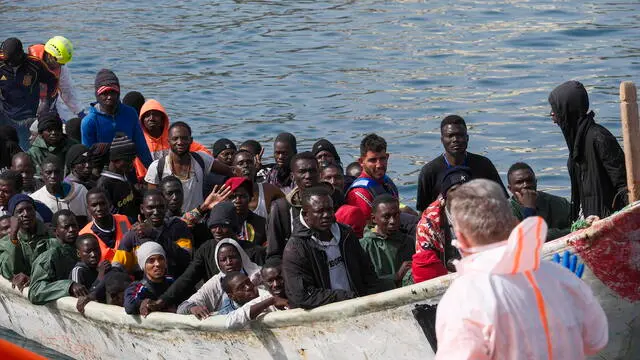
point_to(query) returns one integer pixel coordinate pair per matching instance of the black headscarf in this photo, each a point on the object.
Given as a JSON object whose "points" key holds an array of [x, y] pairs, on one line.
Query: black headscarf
{"points": [[570, 104]]}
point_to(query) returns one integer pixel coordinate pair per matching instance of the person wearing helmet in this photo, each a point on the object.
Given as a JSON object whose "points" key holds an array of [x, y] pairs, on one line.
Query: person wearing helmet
{"points": [[55, 54], [20, 79]]}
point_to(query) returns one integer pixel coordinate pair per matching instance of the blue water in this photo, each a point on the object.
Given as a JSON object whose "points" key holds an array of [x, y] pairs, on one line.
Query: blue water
{"points": [[340, 69]]}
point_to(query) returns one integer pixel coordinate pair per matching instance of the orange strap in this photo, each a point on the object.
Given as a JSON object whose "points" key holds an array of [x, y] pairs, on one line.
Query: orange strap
{"points": [[11, 351]]}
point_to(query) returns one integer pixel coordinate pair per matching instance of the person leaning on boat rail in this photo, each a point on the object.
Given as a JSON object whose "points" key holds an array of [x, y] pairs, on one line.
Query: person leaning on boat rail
{"points": [[323, 261], [20, 79], [51, 270], [209, 298], [28, 237], [455, 140], [508, 303], [596, 160]]}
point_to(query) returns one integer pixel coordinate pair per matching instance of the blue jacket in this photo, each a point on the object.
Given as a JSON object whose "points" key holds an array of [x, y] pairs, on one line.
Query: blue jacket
{"points": [[99, 127]]}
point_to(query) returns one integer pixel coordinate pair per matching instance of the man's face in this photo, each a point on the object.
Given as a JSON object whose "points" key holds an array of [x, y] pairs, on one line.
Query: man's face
{"points": [[66, 229], [387, 218], [89, 252], [273, 280], [98, 206], [325, 156], [155, 268], [454, 139], [24, 166], [246, 163], [154, 209], [52, 136], [242, 290], [240, 199], [82, 170], [220, 232], [334, 177], [51, 174], [7, 190], [282, 152], [26, 214], [375, 163], [226, 156], [153, 120], [229, 259], [305, 173], [180, 140], [319, 214], [109, 99], [522, 179], [174, 195], [123, 166], [5, 225]]}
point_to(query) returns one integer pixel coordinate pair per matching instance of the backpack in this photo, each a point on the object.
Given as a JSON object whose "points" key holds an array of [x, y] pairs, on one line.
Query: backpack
{"points": [[197, 157]]}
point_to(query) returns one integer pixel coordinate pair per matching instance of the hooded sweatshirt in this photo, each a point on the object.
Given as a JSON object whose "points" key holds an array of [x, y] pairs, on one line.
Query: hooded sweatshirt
{"points": [[50, 275], [509, 304], [596, 160], [39, 150], [211, 294], [159, 146], [100, 127]]}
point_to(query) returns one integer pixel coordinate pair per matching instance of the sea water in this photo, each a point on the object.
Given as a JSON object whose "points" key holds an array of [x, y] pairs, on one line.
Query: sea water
{"points": [[341, 69]]}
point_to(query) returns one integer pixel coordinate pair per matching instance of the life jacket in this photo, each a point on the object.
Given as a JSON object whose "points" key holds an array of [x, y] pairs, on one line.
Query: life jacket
{"points": [[122, 225], [37, 51], [375, 188]]}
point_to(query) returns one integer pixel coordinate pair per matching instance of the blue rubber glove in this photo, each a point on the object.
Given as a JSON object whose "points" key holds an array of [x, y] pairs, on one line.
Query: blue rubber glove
{"points": [[570, 262]]}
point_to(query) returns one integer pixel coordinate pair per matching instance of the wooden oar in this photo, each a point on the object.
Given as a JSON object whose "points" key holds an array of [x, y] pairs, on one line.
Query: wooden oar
{"points": [[631, 137]]}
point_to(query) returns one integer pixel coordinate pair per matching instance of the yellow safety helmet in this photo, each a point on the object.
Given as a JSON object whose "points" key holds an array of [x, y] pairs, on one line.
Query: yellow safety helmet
{"points": [[60, 48]]}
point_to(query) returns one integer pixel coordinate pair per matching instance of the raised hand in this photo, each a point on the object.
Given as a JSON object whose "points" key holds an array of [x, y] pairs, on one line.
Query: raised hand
{"points": [[527, 198], [570, 262], [103, 268], [219, 194]]}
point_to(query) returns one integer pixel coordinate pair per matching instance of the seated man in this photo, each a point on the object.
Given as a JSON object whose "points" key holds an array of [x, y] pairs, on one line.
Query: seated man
{"points": [[50, 140], [51, 269], [109, 229], [28, 238], [78, 163], [153, 260], [244, 301], [323, 261], [125, 199], [172, 234], [263, 194], [252, 226], [527, 201], [389, 249], [57, 194], [23, 164]]}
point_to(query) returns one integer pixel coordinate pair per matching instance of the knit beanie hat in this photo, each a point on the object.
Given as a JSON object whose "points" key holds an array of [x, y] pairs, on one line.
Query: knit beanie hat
{"points": [[224, 214], [222, 145], [49, 120], [122, 148], [106, 80], [17, 199], [146, 250], [325, 145], [77, 154], [134, 99], [287, 138]]}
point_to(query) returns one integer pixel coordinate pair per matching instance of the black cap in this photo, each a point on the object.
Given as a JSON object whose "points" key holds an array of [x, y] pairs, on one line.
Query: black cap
{"points": [[325, 145], [224, 214], [222, 145], [77, 154], [454, 176]]}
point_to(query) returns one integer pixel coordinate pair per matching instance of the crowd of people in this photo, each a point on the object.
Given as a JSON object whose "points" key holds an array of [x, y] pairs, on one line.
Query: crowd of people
{"points": [[119, 205]]}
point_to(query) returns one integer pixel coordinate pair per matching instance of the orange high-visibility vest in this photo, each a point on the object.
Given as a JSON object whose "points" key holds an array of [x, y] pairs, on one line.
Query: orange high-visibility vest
{"points": [[37, 50], [122, 225]]}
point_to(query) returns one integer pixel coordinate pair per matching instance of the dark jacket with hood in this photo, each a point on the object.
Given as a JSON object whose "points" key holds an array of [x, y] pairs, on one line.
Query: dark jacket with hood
{"points": [[306, 272], [596, 160]]}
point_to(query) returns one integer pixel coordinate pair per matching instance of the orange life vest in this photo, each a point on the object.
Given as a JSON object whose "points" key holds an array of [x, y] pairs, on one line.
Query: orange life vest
{"points": [[37, 50], [122, 225]]}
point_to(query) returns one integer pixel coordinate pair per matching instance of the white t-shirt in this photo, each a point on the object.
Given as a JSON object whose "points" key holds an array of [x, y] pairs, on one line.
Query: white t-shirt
{"points": [[76, 199], [192, 186]]}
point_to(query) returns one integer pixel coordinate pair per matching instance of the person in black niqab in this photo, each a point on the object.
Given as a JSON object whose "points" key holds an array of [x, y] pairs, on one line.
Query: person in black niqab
{"points": [[596, 160]]}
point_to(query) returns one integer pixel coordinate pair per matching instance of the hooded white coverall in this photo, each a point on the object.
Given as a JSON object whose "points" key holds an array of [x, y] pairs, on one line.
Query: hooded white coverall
{"points": [[508, 304]]}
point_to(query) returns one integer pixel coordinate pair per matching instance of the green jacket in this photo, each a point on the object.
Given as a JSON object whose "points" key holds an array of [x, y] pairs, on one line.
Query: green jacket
{"points": [[387, 255], [50, 275], [39, 150], [555, 210], [15, 259]]}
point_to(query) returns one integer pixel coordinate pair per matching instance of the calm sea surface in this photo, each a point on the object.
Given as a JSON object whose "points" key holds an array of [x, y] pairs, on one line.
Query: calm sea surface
{"points": [[337, 69]]}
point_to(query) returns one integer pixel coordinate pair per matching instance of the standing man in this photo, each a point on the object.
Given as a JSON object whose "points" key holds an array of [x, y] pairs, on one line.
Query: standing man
{"points": [[20, 79], [50, 140], [596, 160], [109, 116], [454, 138], [78, 163], [284, 148], [508, 303]]}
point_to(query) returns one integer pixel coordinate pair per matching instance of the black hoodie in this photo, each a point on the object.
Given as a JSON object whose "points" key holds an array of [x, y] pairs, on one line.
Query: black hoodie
{"points": [[596, 160]]}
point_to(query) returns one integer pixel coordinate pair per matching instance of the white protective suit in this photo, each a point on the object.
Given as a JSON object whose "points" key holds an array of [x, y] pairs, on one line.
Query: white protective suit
{"points": [[508, 304]]}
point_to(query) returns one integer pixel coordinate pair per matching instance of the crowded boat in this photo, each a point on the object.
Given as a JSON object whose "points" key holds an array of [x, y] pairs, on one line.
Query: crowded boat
{"points": [[113, 203]]}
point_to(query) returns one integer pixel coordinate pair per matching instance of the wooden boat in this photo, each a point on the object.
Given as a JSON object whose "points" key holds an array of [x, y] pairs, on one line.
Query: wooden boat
{"points": [[381, 326]]}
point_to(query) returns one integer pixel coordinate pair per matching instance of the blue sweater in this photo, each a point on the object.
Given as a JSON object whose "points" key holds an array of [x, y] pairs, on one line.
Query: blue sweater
{"points": [[99, 127]]}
